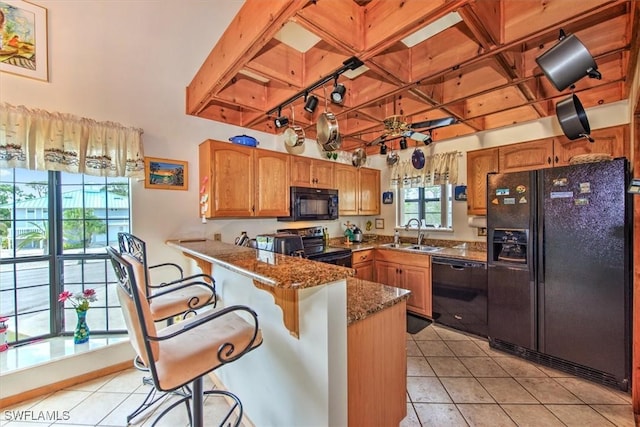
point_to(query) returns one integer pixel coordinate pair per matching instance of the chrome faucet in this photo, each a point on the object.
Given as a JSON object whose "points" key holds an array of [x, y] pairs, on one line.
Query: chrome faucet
{"points": [[406, 227]]}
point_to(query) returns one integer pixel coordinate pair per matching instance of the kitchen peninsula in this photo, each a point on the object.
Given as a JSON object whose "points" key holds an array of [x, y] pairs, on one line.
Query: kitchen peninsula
{"points": [[324, 336]]}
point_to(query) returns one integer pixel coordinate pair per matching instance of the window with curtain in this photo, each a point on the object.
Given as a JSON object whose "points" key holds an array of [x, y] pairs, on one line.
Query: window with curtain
{"points": [[426, 193], [64, 196]]}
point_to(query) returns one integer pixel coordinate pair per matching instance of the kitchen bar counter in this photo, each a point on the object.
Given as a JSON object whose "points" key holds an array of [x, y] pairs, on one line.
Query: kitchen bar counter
{"points": [[363, 297], [317, 369], [269, 268]]}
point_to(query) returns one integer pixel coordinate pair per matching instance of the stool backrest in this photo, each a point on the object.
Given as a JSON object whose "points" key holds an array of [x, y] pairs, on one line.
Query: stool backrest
{"points": [[135, 306], [137, 248]]}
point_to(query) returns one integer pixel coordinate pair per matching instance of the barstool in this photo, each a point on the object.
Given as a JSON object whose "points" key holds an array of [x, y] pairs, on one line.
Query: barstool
{"points": [[197, 290], [178, 354], [179, 297]]}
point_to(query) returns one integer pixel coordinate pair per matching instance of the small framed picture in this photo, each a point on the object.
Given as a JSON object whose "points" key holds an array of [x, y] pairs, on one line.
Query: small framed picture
{"points": [[460, 193], [165, 174], [379, 223], [387, 197]]}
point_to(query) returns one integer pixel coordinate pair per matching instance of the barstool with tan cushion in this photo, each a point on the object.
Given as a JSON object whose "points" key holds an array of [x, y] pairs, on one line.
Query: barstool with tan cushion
{"points": [[184, 352]]}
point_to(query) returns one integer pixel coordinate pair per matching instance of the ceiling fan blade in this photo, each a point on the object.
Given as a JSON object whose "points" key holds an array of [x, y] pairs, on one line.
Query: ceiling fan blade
{"points": [[417, 136], [432, 124], [377, 141]]}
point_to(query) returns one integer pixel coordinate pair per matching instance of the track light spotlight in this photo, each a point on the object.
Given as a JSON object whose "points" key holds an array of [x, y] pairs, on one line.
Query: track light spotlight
{"points": [[311, 104], [281, 121], [337, 96], [383, 149], [427, 140], [403, 143]]}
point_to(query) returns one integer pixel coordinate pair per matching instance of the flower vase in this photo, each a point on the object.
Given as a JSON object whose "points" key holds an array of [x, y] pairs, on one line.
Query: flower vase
{"points": [[81, 333]]}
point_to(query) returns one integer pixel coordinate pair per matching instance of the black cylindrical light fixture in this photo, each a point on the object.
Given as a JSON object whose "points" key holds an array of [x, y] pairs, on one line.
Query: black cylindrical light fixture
{"points": [[281, 121], [403, 143], [337, 96], [311, 104], [383, 149]]}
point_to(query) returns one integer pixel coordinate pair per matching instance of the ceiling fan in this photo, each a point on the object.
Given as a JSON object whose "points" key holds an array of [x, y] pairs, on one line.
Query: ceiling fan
{"points": [[396, 126]]}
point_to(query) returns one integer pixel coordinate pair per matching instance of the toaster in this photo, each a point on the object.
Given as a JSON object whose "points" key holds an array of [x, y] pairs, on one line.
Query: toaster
{"points": [[282, 243]]}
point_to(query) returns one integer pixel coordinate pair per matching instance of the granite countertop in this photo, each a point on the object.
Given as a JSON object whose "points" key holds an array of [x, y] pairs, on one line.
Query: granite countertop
{"points": [[267, 267], [363, 297], [447, 252]]}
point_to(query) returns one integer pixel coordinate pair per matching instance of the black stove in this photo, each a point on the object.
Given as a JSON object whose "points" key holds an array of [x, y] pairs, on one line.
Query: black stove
{"points": [[316, 250]]}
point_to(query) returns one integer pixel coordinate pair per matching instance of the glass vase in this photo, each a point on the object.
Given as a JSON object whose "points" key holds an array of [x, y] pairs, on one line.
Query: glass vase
{"points": [[81, 333]]}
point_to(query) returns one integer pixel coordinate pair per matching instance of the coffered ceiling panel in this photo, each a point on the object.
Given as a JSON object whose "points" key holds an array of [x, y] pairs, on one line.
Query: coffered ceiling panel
{"points": [[423, 60]]}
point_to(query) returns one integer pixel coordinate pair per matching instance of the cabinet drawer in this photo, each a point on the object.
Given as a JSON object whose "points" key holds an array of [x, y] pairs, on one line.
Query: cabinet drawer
{"points": [[362, 256]]}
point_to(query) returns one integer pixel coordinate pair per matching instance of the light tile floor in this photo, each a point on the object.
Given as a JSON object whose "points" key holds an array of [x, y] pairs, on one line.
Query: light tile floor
{"points": [[453, 379]]}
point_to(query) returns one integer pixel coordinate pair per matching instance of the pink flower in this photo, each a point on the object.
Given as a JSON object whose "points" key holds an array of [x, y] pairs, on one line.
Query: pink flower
{"points": [[79, 301], [64, 296]]}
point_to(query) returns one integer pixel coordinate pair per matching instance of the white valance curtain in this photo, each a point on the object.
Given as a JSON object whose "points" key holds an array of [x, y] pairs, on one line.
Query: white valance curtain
{"points": [[441, 168], [41, 140]]}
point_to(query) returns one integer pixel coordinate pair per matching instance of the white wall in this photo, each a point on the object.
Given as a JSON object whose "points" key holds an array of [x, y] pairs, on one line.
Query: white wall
{"points": [[130, 62]]}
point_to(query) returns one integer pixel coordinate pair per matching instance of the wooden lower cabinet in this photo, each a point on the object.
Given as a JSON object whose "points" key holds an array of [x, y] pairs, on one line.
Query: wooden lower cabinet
{"points": [[407, 271], [377, 368], [362, 263]]}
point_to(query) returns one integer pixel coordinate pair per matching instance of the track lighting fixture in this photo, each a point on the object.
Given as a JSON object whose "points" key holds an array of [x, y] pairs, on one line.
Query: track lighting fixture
{"points": [[337, 95], [403, 143], [383, 149], [311, 104], [427, 140], [280, 121]]}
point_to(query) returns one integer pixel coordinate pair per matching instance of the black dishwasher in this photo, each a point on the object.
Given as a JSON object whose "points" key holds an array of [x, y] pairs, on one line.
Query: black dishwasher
{"points": [[460, 294]]}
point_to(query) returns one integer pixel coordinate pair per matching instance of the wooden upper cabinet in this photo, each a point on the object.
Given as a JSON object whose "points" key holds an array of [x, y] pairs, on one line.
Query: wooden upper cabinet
{"points": [[369, 180], [307, 172], [479, 164], [272, 183], [612, 141], [238, 181], [526, 156], [347, 185], [358, 190]]}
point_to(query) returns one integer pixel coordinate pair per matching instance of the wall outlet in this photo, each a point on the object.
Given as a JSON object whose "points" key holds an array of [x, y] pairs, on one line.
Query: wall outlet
{"points": [[217, 237], [482, 231]]}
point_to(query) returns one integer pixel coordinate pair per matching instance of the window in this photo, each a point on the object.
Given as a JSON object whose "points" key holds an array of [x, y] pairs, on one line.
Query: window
{"points": [[53, 230], [432, 205]]}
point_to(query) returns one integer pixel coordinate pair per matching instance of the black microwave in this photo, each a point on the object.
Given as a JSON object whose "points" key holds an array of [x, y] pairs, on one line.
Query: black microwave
{"points": [[312, 204]]}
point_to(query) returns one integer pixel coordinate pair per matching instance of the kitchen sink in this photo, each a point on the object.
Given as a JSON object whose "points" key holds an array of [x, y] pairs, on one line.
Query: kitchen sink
{"points": [[393, 245], [424, 248], [411, 248]]}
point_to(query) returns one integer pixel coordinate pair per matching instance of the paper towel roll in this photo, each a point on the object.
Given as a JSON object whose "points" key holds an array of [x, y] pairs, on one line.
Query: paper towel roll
{"points": [[478, 221]]}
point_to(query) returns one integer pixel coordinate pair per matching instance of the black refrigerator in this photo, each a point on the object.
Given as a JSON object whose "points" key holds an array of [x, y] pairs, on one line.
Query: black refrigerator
{"points": [[559, 281]]}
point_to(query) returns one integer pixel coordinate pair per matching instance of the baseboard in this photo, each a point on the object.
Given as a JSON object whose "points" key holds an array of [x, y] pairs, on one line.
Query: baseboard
{"points": [[68, 382], [27, 383]]}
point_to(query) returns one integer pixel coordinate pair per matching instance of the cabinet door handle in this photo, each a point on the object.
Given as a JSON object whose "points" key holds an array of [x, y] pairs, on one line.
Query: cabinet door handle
{"points": [[549, 160], [557, 159], [363, 257]]}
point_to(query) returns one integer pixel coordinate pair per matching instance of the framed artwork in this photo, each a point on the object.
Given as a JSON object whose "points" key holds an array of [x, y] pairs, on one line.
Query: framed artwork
{"points": [[165, 174], [379, 223], [460, 193], [387, 197], [23, 39]]}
